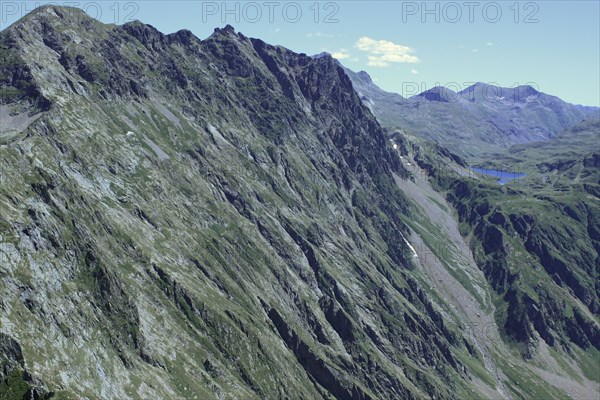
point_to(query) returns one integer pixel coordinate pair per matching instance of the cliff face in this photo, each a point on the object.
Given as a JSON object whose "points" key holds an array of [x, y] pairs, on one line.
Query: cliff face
{"points": [[536, 240], [202, 219]]}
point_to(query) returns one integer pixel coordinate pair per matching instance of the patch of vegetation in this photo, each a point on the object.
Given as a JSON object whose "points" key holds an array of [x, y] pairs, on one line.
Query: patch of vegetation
{"points": [[14, 386]]}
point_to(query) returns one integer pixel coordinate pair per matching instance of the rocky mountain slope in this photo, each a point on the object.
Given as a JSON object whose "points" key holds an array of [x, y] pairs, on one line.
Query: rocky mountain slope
{"points": [[509, 294], [202, 219], [222, 219], [479, 119], [535, 240]]}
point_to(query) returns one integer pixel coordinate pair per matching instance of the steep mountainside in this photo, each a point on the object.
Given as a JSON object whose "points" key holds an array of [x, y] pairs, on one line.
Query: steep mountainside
{"points": [[203, 219], [536, 240], [371, 94], [480, 119], [571, 158], [225, 219]]}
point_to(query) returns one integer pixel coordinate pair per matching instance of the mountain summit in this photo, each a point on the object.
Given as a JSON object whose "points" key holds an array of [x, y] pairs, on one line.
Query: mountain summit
{"points": [[439, 94], [481, 92], [365, 77]]}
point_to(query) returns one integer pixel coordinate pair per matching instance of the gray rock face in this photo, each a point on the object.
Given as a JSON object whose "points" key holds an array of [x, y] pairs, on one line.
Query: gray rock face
{"points": [[212, 218]]}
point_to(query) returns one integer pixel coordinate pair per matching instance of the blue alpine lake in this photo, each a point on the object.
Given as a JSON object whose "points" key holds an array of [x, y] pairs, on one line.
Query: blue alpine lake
{"points": [[501, 176]]}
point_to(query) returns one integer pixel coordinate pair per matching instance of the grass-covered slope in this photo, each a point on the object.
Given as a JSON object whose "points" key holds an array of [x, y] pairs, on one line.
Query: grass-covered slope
{"points": [[204, 219], [538, 245]]}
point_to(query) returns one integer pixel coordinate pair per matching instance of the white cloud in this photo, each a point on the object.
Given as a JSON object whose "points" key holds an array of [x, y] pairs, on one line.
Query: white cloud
{"points": [[414, 71], [383, 52], [475, 50], [374, 62], [318, 35], [341, 54], [489, 44]]}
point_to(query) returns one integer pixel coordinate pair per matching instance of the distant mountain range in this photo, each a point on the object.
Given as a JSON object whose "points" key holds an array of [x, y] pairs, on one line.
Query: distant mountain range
{"points": [[477, 120]]}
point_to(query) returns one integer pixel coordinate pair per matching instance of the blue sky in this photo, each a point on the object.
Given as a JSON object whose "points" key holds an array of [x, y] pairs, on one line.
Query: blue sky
{"points": [[406, 46]]}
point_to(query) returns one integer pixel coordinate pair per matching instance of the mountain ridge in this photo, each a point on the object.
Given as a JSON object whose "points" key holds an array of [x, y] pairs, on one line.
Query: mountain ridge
{"points": [[480, 119], [220, 216]]}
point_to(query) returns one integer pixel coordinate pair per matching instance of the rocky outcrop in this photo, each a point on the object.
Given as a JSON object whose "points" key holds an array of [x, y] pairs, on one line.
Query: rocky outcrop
{"points": [[550, 248]]}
